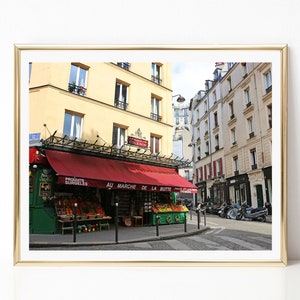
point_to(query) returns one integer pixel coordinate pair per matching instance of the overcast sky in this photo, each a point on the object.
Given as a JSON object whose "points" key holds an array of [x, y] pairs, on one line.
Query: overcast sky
{"points": [[189, 77]]}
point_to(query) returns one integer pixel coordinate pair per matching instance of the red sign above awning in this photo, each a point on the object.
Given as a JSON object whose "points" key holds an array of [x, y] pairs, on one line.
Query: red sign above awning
{"points": [[84, 170], [137, 142]]}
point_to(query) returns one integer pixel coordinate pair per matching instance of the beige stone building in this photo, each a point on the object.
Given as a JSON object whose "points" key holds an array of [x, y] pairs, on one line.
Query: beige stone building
{"points": [[240, 100], [101, 134], [107, 101]]}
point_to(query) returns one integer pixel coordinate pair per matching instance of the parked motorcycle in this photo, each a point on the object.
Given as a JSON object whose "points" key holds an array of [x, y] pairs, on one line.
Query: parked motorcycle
{"points": [[233, 211], [224, 209], [251, 214]]}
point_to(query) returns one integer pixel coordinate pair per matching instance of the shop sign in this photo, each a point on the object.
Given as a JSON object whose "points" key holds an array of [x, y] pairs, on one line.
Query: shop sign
{"points": [[45, 183], [137, 142], [147, 188], [75, 181]]}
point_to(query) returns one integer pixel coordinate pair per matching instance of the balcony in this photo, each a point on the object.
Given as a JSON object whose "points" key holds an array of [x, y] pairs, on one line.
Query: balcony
{"points": [[157, 80], [155, 117], [248, 104], [217, 147], [254, 167], [124, 65], [121, 104], [251, 135], [269, 89], [76, 89], [236, 173]]}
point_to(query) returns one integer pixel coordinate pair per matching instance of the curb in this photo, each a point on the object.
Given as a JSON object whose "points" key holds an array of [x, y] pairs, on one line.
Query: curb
{"points": [[33, 245]]}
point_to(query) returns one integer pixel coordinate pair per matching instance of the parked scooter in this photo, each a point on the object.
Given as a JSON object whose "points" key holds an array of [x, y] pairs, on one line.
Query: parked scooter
{"points": [[224, 209], [251, 214]]}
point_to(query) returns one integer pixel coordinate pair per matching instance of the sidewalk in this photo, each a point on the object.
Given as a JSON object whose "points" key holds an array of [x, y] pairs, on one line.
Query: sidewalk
{"points": [[125, 235]]}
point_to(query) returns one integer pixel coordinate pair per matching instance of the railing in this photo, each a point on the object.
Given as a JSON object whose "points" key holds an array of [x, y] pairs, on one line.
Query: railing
{"points": [[121, 104], [76, 89], [126, 152], [124, 65], [254, 167], [156, 79], [155, 117], [268, 89]]}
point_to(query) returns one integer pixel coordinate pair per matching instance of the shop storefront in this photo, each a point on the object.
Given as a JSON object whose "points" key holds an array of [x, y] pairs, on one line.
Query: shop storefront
{"points": [[239, 189], [61, 181]]}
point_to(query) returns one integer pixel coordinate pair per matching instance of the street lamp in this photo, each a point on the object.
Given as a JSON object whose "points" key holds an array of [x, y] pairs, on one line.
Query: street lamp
{"points": [[180, 99]]}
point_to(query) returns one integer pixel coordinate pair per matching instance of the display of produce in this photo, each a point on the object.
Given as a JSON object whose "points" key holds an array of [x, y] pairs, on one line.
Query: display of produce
{"points": [[169, 213], [88, 214]]}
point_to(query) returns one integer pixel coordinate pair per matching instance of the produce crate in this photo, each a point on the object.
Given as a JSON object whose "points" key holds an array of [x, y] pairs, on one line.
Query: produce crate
{"points": [[167, 218]]}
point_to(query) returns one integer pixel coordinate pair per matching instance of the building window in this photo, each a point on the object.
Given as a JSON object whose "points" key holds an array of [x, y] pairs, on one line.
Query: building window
{"points": [[208, 170], [199, 153], [216, 119], [154, 144], [233, 136], [206, 127], [207, 148], [253, 159], [73, 124], [231, 110], [250, 127], [124, 65], [235, 164], [244, 68], [247, 97], [268, 81], [78, 79], [214, 96], [229, 84], [269, 110], [121, 91], [155, 110], [156, 73], [187, 174], [119, 135], [205, 106], [217, 146]]}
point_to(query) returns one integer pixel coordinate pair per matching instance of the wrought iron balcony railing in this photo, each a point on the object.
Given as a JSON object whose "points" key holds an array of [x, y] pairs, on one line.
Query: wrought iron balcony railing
{"points": [[155, 117], [156, 80], [121, 104], [77, 89], [124, 65]]}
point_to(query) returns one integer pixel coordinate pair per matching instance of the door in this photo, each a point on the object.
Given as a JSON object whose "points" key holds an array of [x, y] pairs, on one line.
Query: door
{"points": [[259, 195]]}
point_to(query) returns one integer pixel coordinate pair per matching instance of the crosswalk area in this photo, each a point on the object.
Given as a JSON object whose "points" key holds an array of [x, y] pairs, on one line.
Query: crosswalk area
{"points": [[217, 238]]}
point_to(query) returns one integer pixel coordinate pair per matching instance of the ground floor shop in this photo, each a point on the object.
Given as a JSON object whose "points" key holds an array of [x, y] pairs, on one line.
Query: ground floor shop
{"points": [[254, 188], [96, 190]]}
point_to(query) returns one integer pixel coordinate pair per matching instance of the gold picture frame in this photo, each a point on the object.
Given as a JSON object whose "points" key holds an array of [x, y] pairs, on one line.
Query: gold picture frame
{"points": [[276, 54]]}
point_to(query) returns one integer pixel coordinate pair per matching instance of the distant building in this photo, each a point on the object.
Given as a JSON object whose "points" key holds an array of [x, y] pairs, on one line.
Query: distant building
{"points": [[182, 137]]}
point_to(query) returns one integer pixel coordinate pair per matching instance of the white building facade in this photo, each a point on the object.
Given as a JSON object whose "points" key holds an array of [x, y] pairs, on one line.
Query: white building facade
{"points": [[232, 135]]}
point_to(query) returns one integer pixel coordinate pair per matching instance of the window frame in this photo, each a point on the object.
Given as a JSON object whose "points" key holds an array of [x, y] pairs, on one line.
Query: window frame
{"points": [[72, 124], [119, 102], [118, 135], [155, 143]]}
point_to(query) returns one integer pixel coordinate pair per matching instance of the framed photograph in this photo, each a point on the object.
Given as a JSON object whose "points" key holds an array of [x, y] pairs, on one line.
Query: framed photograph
{"points": [[144, 155]]}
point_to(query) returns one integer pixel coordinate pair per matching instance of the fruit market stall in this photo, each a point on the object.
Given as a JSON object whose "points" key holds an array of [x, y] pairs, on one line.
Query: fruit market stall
{"points": [[90, 216], [169, 213]]}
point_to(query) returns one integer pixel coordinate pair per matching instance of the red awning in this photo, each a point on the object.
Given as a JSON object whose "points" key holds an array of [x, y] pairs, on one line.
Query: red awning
{"points": [[84, 170]]}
